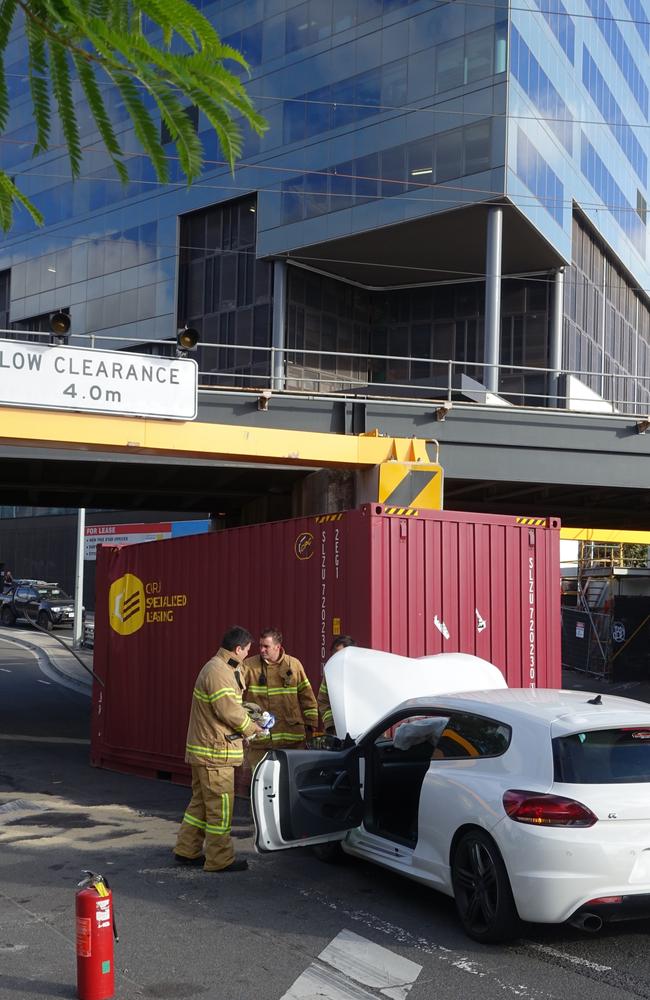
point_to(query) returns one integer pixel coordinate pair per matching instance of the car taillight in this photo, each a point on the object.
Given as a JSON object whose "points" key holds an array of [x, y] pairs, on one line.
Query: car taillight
{"points": [[546, 810]]}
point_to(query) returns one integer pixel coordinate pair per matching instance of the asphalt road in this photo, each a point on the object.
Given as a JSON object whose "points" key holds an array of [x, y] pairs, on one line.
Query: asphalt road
{"points": [[265, 933]]}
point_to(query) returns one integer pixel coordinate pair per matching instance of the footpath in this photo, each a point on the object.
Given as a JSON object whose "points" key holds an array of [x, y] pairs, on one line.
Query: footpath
{"points": [[72, 668]]}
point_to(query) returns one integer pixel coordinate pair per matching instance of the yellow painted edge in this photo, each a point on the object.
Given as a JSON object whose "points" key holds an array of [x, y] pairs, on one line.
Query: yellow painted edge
{"points": [[96, 432], [613, 535]]}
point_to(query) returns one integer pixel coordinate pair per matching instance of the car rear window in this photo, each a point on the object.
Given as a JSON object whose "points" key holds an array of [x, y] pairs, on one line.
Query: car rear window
{"points": [[603, 756]]}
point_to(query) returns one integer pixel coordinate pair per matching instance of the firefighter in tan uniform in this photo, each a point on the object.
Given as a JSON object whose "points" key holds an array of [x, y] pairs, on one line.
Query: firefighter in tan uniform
{"points": [[324, 707], [216, 714], [278, 683]]}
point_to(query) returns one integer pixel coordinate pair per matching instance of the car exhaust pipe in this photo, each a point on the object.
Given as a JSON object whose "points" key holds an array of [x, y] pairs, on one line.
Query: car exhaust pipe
{"points": [[587, 922]]}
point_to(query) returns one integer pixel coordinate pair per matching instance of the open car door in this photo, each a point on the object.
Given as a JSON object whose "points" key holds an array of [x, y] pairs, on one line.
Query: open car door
{"points": [[305, 797]]}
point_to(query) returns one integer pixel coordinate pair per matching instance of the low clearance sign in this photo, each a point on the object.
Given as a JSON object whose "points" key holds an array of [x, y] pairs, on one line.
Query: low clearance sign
{"points": [[114, 382]]}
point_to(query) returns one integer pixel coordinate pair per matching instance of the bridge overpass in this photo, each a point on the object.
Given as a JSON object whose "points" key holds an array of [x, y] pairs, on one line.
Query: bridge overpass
{"points": [[253, 450]]}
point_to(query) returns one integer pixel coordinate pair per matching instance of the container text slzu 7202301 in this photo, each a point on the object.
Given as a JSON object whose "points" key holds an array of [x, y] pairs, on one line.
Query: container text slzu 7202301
{"points": [[408, 582]]}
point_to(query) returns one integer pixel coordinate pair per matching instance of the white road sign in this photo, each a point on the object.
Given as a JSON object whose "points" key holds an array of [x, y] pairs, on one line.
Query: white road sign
{"points": [[114, 382]]}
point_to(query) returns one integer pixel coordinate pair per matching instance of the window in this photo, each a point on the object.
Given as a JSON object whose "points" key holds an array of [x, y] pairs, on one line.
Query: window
{"points": [[449, 65], [472, 736], [452, 736], [477, 148], [479, 55], [5, 298], [223, 291], [603, 757], [449, 153]]}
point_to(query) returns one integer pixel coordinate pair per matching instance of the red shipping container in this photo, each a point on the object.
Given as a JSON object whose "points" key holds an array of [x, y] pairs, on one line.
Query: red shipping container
{"points": [[428, 582]]}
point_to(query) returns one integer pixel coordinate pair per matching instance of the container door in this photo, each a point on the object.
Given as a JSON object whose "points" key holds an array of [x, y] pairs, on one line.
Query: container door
{"points": [[305, 797]]}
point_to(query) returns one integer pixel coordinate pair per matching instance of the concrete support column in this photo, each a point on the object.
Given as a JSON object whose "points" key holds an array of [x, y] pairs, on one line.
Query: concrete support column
{"points": [[555, 338], [77, 633], [278, 339], [326, 491], [493, 253]]}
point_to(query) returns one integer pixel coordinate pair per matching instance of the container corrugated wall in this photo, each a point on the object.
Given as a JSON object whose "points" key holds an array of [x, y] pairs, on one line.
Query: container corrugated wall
{"points": [[438, 581]]}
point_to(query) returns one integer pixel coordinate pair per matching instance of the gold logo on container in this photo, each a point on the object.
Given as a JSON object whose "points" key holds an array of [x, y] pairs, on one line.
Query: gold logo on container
{"points": [[126, 604], [303, 545]]}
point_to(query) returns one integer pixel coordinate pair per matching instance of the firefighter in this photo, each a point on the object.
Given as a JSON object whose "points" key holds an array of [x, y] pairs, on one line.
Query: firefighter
{"points": [[216, 714], [324, 708], [278, 683]]}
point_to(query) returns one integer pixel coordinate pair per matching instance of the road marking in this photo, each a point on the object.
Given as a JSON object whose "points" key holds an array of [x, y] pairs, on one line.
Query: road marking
{"points": [[5, 671], [568, 958], [456, 959], [39, 681], [348, 964]]}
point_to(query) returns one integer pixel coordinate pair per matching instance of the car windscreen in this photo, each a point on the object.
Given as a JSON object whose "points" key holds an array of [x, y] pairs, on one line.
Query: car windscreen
{"points": [[53, 592], [603, 756]]}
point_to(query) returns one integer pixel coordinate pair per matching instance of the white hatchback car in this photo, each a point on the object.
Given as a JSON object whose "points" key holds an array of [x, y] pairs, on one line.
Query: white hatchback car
{"points": [[521, 804]]}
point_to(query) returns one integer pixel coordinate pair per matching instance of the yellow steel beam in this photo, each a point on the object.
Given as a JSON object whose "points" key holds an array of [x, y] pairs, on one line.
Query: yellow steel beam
{"points": [[611, 535], [235, 443]]}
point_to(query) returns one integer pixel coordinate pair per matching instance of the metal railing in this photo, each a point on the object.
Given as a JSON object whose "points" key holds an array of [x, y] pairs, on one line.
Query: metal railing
{"points": [[388, 377]]}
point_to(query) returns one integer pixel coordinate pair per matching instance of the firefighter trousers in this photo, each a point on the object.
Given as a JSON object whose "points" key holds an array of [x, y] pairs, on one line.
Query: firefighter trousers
{"points": [[207, 819]]}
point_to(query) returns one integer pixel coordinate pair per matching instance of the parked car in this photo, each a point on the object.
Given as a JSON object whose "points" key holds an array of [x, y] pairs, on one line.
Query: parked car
{"points": [[522, 804], [37, 601], [88, 631]]}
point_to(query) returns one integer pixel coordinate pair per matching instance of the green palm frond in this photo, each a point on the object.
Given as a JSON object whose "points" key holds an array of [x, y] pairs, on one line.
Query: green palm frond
{"points": [[62, 87], [7, 12], [9, 195], [146, 129], [186, 21], [106, 38], [98, 110], [39, 86], [181, 129]]}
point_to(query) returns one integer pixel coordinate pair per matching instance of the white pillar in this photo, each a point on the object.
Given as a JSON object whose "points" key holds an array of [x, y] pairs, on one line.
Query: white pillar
{"points": [[555, 338], [79, 578], [279, 323], [492, 341]]}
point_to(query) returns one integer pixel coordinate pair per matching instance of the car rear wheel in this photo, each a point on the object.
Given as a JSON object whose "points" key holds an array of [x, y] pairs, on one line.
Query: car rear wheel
{"points": [[482, 890], [7, 617], [45, 621]]}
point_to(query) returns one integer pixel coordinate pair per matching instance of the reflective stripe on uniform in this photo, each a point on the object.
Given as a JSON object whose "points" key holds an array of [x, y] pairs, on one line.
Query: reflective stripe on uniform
{"points": [[310, 713], [193, 821], [225, 753], [221, 693], [218, 829], [304, 684], [327, 715], [258, 689], [323, 687], [289, 737]]}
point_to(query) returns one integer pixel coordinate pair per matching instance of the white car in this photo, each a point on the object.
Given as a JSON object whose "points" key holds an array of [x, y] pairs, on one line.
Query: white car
{"points": [[521, 804]]}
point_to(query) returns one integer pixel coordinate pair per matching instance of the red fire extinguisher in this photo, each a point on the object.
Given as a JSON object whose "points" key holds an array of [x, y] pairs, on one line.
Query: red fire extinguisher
{"points": [[96, 933]]}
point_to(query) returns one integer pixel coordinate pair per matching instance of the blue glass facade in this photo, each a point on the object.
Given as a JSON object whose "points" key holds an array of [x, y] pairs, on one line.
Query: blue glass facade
{"points": [[383, 114]]}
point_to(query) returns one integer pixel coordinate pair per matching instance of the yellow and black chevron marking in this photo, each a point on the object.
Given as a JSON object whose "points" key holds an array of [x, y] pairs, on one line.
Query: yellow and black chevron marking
{"points": [[324, 518], [402, 511], [405, 485], [532, 522]]}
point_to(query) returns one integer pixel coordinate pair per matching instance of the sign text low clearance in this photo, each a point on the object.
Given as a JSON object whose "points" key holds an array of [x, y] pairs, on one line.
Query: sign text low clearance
{"points": [[114, 382]]}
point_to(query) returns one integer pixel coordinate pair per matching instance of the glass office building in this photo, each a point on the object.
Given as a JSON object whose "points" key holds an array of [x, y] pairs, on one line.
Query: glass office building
{"points": [[459, 181]]}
